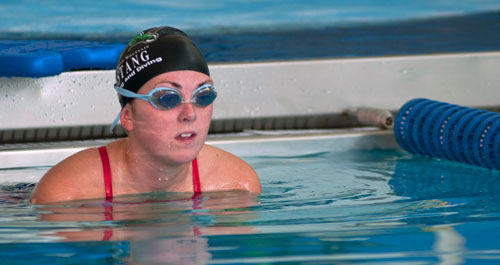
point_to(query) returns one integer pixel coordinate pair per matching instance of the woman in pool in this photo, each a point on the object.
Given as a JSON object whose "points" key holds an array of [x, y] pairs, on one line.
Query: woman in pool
{"points": [[166, 94]]}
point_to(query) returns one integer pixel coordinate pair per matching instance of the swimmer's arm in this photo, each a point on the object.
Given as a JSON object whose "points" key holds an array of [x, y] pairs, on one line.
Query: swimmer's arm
{"points": [[227, 172], [69, 180], [245, 176]]}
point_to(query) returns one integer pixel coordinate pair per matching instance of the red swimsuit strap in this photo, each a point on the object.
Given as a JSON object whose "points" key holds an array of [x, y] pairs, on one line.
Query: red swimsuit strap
{"points": [[106, 169], [197, 191], [196, 178]]}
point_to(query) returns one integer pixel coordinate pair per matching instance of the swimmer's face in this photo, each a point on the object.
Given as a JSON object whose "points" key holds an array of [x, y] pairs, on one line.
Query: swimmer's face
{"points": [[176, 134]]}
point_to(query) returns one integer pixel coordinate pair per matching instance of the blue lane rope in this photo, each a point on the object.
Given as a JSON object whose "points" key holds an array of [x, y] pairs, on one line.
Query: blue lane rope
{"points": [[448, 131]]}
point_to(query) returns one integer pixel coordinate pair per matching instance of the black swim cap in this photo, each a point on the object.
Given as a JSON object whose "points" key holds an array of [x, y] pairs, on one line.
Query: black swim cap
{"points": [[153, 52]]}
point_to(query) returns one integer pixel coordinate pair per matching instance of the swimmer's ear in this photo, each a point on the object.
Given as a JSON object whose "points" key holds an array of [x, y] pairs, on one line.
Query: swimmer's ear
{"points": [[126, 118]]}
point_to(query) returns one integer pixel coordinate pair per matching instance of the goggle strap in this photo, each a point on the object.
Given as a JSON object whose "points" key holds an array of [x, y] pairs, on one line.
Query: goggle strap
{"points": [[115, 122], [129, 94]]}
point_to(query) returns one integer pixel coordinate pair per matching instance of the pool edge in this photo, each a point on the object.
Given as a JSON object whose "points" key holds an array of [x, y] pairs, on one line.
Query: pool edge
{"points": [[243, 145]]}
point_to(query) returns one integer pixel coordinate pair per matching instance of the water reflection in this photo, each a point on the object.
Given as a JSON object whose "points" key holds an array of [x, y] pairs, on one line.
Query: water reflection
{"points": [[383, 206], [463, 192], [155, 228], [460, 194], [178, 250]]}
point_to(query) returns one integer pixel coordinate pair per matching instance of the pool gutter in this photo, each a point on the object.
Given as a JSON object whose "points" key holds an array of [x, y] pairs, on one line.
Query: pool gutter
{"points": [[250, 143]]}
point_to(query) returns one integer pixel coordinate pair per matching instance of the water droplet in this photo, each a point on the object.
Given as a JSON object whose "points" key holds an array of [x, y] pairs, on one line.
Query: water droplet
{"points": [[405, 71]]}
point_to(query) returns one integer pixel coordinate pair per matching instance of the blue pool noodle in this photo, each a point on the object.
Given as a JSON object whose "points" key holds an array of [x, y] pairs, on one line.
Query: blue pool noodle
{"points": [[40, 58]]}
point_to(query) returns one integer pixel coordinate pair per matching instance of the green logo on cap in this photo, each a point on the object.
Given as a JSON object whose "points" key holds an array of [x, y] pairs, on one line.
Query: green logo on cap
{"points": [[142, 37]]}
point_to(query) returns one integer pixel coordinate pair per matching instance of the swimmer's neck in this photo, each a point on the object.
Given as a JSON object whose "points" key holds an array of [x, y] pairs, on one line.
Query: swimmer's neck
{"points": [[145, 173]]}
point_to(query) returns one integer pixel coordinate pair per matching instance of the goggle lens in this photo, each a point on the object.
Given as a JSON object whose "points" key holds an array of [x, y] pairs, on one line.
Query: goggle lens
{"points": [[167, 99], [205, 97]]}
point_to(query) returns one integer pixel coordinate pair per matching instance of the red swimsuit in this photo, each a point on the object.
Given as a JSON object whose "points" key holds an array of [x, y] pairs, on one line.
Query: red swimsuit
{"points": [[107, 174], [108, 233]]}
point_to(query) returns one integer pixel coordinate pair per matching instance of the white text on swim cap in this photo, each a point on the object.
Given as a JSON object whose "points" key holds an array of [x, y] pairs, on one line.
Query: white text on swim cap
{"points": [[135, 62], [132, 61], [148, 63]]}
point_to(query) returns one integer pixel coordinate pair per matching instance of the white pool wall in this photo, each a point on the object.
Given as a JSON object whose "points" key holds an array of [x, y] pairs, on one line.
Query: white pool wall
{"points": [[267, 89]]}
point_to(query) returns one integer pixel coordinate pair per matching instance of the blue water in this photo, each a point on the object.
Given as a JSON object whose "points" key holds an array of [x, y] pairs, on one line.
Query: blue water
{"points": [[362, 207], [87, 17], [235, 31]]}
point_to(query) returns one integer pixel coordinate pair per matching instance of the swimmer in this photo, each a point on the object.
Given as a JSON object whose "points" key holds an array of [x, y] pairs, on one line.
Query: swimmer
{"points": [[166, 93]]}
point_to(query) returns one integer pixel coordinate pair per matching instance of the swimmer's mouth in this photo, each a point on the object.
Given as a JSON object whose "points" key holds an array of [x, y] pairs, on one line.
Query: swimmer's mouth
{"points": [[185, 136]]}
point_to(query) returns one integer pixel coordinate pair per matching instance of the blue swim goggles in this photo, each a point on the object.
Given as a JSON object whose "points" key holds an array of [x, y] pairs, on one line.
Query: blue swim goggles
{"points": [[165, 98]]}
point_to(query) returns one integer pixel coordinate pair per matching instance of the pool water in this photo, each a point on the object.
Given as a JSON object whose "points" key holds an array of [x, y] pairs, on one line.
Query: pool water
{"points": [[379, 206], [249, 31]]}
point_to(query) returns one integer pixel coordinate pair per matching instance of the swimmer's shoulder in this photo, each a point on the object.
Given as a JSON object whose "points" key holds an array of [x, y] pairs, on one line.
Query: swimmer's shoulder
{"points": [[221, 170], [77, 177]]}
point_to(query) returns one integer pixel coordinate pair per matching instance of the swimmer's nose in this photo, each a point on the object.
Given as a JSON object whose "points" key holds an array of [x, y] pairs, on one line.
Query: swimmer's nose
{"points": [[187, 113]]}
